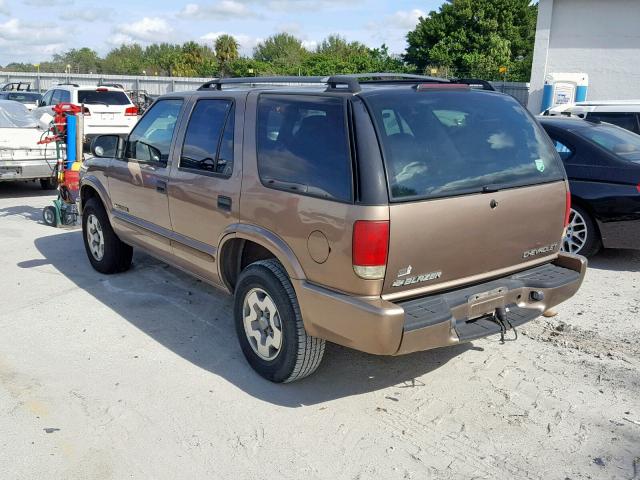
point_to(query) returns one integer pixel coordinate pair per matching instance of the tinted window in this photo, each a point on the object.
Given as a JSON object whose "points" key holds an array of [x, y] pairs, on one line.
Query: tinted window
{"points": [[150, 140], [56, 97], [303, 146], [625, 120], [23, 97], [103, 97], [621, 142], [440, 143], [47, 97], [564, 151], [202, 149]]}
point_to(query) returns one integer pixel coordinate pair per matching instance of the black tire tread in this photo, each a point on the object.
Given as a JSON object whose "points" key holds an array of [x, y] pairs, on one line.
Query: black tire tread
{"points": [[118, 254], [310, 349]]}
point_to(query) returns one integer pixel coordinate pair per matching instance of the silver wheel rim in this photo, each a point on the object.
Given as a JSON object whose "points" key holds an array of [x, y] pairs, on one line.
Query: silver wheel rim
{"points": [[95, 238], [576, 235], [262, 324]]}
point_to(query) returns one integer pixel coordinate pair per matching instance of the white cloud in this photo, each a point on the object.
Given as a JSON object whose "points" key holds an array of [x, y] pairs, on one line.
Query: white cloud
{"points": [[219, 10], [149, 29], [29, 40], [313, 5], [47, 3], [405, 19], [4, 8]]}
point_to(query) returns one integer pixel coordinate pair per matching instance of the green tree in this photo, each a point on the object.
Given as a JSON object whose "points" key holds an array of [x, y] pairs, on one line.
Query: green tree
{"points": [[83, 60], [281, 48], [475, 38], [226, 48], [125, 60]]}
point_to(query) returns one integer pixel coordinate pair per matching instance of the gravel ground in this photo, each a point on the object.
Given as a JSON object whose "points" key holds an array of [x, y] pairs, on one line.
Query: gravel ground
{"points": [[140, 376]]}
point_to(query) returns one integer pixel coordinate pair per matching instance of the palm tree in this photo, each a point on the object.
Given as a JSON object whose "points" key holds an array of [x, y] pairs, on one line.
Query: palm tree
{"points": [[226, 48]]}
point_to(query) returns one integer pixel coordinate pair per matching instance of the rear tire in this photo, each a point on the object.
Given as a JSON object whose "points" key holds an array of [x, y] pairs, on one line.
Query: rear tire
{"points": [[107, 253], [583, 236], [269, 325]]}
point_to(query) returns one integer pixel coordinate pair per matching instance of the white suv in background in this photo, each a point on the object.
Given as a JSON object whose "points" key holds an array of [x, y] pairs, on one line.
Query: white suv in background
{"points": [[623, 113], [107, 110]]}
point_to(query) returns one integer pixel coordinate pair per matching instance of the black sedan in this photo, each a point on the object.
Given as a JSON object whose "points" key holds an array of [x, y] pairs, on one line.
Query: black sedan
{"points": [[603, 166]]}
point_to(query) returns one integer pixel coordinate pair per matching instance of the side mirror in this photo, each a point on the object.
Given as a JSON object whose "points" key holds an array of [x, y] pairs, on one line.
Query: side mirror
{"points": [[107, 146], [40, 103]]}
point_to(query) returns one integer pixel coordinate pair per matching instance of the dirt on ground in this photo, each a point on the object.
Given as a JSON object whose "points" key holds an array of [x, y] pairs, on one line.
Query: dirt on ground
{"points": [[140, 376]]}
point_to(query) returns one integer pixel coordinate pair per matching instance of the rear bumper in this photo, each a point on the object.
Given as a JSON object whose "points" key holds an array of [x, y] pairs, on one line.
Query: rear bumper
{"points": [[26, 169], [380, 327]]}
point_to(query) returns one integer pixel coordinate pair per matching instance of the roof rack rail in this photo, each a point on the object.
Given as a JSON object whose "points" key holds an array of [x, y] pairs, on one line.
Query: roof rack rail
{"points": [[347, 83], [68, 84]]}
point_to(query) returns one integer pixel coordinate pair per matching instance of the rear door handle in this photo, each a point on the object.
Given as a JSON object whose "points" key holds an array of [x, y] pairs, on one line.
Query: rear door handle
{"points": [[161, 186], [224, 203]]}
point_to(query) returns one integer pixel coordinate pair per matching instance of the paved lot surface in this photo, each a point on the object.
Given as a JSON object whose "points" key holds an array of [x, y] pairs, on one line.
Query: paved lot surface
{"points": [[139, 376]]}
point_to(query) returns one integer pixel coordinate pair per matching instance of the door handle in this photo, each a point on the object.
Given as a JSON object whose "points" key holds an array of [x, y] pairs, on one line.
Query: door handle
{"points": [[161, 186], [224, 203]]}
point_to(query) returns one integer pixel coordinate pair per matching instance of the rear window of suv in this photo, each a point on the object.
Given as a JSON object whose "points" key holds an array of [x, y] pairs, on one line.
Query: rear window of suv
{"points": [[103, 97], [445, 143]]}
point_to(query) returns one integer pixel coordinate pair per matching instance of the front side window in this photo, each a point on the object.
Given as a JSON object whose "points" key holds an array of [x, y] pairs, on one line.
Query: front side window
{"points": [[47, 99], [444, 143], [303, 146], [56, 99], [205, 147], [622, 143], [150, 140]]}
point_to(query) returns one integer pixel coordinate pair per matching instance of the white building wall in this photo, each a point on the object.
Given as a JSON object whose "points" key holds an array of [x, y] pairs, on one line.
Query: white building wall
{"points": [[597, 37]]}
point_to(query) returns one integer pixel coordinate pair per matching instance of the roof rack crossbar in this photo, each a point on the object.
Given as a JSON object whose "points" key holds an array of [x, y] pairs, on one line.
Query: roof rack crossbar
{"points": [[347, 83]]}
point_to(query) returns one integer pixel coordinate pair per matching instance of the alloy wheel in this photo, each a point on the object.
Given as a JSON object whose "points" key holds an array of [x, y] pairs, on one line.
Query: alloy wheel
{"points": [[576, 234], [95, 237], [262, 324]]}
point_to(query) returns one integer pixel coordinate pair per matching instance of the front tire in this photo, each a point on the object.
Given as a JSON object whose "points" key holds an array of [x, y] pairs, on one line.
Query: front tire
{"points": [[269, 325], [582, 236], [107, 253]]}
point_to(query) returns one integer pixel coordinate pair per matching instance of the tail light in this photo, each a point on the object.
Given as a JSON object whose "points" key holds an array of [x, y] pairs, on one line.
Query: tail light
{"points": [[131, 111], [638, 187], [370, 248], [567, 211], [86, 112]]}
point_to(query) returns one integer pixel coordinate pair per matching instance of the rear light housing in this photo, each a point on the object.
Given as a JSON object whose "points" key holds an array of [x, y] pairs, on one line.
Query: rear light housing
{"points": [[370, 248], [102, 89], [86, 112], [131, 111]]}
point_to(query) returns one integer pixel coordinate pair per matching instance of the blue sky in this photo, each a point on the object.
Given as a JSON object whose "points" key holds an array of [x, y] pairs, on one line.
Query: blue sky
{"points": [[32, 30]]}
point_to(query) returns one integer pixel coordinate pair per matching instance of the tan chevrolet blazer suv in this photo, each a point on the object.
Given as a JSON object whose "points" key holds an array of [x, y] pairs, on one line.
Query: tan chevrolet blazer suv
{"points": [[386, 213]]}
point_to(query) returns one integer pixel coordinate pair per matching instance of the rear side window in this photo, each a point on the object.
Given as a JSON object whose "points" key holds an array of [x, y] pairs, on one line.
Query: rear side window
{"points": [[61, 96], [563, 150], [103, 97], [303, 146], [628, 121], [205, 147], [443, 143], [622, 143]]}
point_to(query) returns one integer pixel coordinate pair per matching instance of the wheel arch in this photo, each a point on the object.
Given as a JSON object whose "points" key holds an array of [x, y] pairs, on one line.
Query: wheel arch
{"points": [[91, 187], [244, 244]]}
